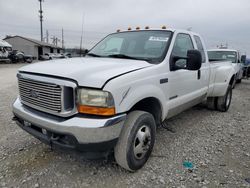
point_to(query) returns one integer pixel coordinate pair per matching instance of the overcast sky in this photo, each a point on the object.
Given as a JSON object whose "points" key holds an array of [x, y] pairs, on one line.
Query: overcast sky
{"points": [[218, 21]]}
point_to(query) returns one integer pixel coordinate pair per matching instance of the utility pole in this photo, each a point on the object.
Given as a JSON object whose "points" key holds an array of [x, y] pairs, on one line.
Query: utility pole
{"points": [[55, 40], [62, 39], [81, 36], [41, 19], [47, 36]]}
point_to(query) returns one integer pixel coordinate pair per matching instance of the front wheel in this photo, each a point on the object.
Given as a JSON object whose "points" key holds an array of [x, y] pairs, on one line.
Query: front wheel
{"points": [[136, 141], [223, 103]]}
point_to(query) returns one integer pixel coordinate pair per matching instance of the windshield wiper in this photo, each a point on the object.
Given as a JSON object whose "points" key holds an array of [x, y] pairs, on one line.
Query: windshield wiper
{"points": [[93, 55], [123, 56]]}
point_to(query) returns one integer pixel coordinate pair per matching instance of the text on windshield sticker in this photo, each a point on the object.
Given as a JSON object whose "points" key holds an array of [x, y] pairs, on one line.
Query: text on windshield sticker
{"points": [[159, 39]]}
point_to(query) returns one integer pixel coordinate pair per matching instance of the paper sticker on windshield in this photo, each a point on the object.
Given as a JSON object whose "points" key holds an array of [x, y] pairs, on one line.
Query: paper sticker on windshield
{"points": [[159, 39], [230, 55]]}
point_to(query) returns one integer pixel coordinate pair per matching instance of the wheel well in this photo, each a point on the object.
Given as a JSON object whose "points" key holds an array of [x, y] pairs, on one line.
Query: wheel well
{"points": [[232, 80], [150, 105]]}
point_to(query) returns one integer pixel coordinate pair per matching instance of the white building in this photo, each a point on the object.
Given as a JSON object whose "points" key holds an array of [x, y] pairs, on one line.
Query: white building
{"points": [[32, 47]]}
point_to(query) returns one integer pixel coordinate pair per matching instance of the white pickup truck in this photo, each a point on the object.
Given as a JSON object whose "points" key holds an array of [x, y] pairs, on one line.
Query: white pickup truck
{"points": [[229, 55], [113, 99]]}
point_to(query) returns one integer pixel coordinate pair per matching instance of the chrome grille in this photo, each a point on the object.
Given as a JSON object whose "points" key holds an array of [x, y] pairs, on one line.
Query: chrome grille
{"points": [[41, 95]]}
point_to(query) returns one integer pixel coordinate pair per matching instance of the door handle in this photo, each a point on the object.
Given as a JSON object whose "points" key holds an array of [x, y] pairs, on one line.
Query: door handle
{"points": [[199, 74]]}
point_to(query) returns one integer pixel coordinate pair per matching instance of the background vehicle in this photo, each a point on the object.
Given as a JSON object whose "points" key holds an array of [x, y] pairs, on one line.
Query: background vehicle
{"points": [[246, 66], [114, 98], [67, 55], [16, 57], [50, 56], [5, 49], [231, 55]]}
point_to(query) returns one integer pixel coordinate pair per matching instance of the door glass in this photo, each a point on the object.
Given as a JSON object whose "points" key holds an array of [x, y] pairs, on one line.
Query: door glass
{"points": [[200, 48], [183, 43]]}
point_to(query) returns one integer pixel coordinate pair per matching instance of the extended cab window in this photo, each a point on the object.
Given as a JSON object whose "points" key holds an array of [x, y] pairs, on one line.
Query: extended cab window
{"points": [[200, 48], [183, 43]]}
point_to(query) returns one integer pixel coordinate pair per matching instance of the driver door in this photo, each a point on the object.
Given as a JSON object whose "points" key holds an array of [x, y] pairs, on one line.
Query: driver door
{"points": [[183, 84]]}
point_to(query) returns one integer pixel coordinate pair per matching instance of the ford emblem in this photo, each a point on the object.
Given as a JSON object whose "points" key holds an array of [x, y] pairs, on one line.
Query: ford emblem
{"points": [[33, 93]]}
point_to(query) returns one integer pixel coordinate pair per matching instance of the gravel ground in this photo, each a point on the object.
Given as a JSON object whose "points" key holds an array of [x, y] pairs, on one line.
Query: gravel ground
{"points": [[217, 144]]}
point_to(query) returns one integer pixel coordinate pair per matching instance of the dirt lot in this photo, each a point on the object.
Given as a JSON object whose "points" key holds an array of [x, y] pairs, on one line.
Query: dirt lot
{"points": [[217, 144]]}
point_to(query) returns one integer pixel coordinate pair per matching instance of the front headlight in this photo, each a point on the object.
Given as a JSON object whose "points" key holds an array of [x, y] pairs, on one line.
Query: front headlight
{"points": [[96, 102]]}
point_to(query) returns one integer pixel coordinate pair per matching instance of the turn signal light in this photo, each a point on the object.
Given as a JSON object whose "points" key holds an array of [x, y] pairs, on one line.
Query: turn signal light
{"points": [[96, 110]]}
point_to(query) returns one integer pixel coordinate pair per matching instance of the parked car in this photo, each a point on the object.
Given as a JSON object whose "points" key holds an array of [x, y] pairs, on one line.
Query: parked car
{"points": [[17, 56], [5, 49], [231, 55], [50, 56], [67, 55], [246, 67], [114, 98]]}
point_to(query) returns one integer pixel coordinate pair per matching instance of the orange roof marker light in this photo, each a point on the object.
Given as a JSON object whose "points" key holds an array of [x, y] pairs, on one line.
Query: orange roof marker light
{"points": [[129, 29], [147, 27], [137, 28], [118, 30], [164, 27]]}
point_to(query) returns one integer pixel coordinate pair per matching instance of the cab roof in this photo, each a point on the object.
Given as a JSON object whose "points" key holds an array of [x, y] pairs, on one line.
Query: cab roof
{"points": [[158, 29]]}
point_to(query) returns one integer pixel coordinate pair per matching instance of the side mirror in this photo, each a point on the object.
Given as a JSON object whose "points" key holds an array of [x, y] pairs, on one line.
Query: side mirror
{"points": [[194, 59], [243, 59]]}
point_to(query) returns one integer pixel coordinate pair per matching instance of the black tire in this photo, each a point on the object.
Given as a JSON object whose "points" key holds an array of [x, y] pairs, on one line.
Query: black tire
{"points": [[239, 81], [20, 58], [233, 84], [223, 103], [137, 123]]}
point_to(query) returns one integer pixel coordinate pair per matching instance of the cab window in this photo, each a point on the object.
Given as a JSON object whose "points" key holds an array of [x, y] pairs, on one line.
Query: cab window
{"points": [[200, 48]]}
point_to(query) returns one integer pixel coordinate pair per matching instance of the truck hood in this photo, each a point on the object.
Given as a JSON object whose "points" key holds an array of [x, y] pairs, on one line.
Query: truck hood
{"points": [[88, 71]]}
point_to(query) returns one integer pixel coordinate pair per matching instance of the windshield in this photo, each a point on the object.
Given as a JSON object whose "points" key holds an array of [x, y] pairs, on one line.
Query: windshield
{"points": [[223, 55], [142, 45]]}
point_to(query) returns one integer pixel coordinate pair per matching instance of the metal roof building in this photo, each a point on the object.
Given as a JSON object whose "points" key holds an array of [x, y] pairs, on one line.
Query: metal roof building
{"points": [[32, 47]]}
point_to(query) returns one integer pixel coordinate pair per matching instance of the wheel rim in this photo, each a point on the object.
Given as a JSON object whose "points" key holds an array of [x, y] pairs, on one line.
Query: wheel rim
{"points": [[228, 98], [142, 142]]}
